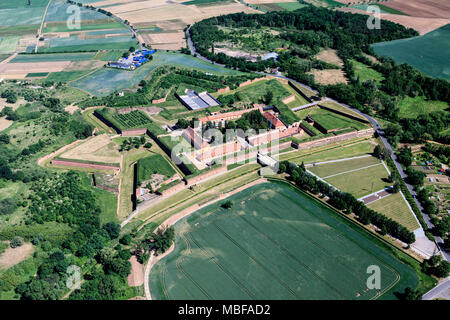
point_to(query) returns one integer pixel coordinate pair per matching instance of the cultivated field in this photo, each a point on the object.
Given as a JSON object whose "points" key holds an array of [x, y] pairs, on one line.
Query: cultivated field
{"points": [[331, 76], [395, 207], [428, 53], [275, 243], [106, 81], [421, 8]]}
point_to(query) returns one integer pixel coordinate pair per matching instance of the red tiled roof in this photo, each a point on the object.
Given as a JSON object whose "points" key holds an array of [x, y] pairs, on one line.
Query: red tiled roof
{"points": [[273, 120]]}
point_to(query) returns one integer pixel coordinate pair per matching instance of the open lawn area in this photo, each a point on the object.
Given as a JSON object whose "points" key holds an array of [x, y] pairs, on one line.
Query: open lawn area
{"points": [[274, 243], [364, 72], [395, 207], [154, 164], [328, 169], [413, 107], [361, 182], [351, 148]]}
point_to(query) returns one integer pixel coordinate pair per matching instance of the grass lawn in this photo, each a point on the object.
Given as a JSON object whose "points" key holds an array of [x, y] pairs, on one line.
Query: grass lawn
{"points": [[108, 205], [274, 243], [330, 121], [338, 107], [8, 44], [413, 107], [150, 165], [327, 169], [364, 72], [395, 207], [362, 182], [339, 150], [290, 6]]}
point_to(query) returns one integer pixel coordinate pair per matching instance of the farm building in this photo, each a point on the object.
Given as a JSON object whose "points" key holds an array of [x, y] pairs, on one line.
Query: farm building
{"points": [[135, 60], [194, 100]]}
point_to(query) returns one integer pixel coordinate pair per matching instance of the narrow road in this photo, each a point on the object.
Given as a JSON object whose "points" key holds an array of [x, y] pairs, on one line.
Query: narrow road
{"points": [[441, 290], [438, 240], [41, 26]]}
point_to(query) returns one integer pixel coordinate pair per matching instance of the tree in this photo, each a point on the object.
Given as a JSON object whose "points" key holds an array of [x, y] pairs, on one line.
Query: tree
{"points": [[227, 204], [411, 294], [113, 229], [16, 242], [132, 49], [396, 187]]}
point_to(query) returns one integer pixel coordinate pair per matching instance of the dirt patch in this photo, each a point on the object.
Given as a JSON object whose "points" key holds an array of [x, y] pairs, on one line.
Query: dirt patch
{"points": [[331, 76], [136, 277], [71, 109], [14, 106], [13, 256], [421, 8], [5, 124], [330, 56], [35, 67]]}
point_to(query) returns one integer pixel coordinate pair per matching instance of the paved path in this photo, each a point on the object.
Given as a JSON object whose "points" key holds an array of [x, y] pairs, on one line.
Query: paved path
{"points": [[309, 105], [353, 170], [442, 290], [337, 160]]}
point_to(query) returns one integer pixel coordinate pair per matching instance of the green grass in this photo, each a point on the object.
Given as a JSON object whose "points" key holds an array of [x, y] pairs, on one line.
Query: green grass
{"points": [[395, 207], [413, 107], [8, 44], [62, 27], [50, 57], [327, 169], [362, 182], [36, 74], [427, 53], [155, 163], [331, 121], [107, 201], [274, 243], [66, 76], [290, 6], [329, 152], [364, 72], [203, 2]]}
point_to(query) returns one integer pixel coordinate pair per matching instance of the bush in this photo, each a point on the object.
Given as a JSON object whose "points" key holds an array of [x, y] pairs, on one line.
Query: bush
{"points": [[16, 242]]}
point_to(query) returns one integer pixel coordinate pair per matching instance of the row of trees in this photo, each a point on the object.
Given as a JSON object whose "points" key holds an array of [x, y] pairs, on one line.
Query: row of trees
{"points": [[346, 202]]}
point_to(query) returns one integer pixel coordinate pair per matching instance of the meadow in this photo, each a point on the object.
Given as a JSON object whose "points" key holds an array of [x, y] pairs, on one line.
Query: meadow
{"points": [[150, 165], [395, 207], [427, 53], [413, 107], [274, 243]]}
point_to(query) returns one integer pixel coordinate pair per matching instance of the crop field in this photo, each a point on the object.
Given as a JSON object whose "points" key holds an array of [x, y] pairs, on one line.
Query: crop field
{"points": [[395, 207], [274, 243], [108, 80], [8, 44], [362, 181], [23, 58], [427, 53], [155, 163], [412, 107], [57, 11], [74, 44], [21, 16]]}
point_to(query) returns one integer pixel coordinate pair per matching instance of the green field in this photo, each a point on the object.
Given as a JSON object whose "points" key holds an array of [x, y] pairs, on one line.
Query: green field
{"points": [[330, 121], [65, 76], [151, 165], [8, 44], [108, 80], [383, 9], [361, 182], [290, 6], [395, 207], [364, 72], [328, 169], [413, 107], [274, 243], [427, 53], [53, 57]]}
